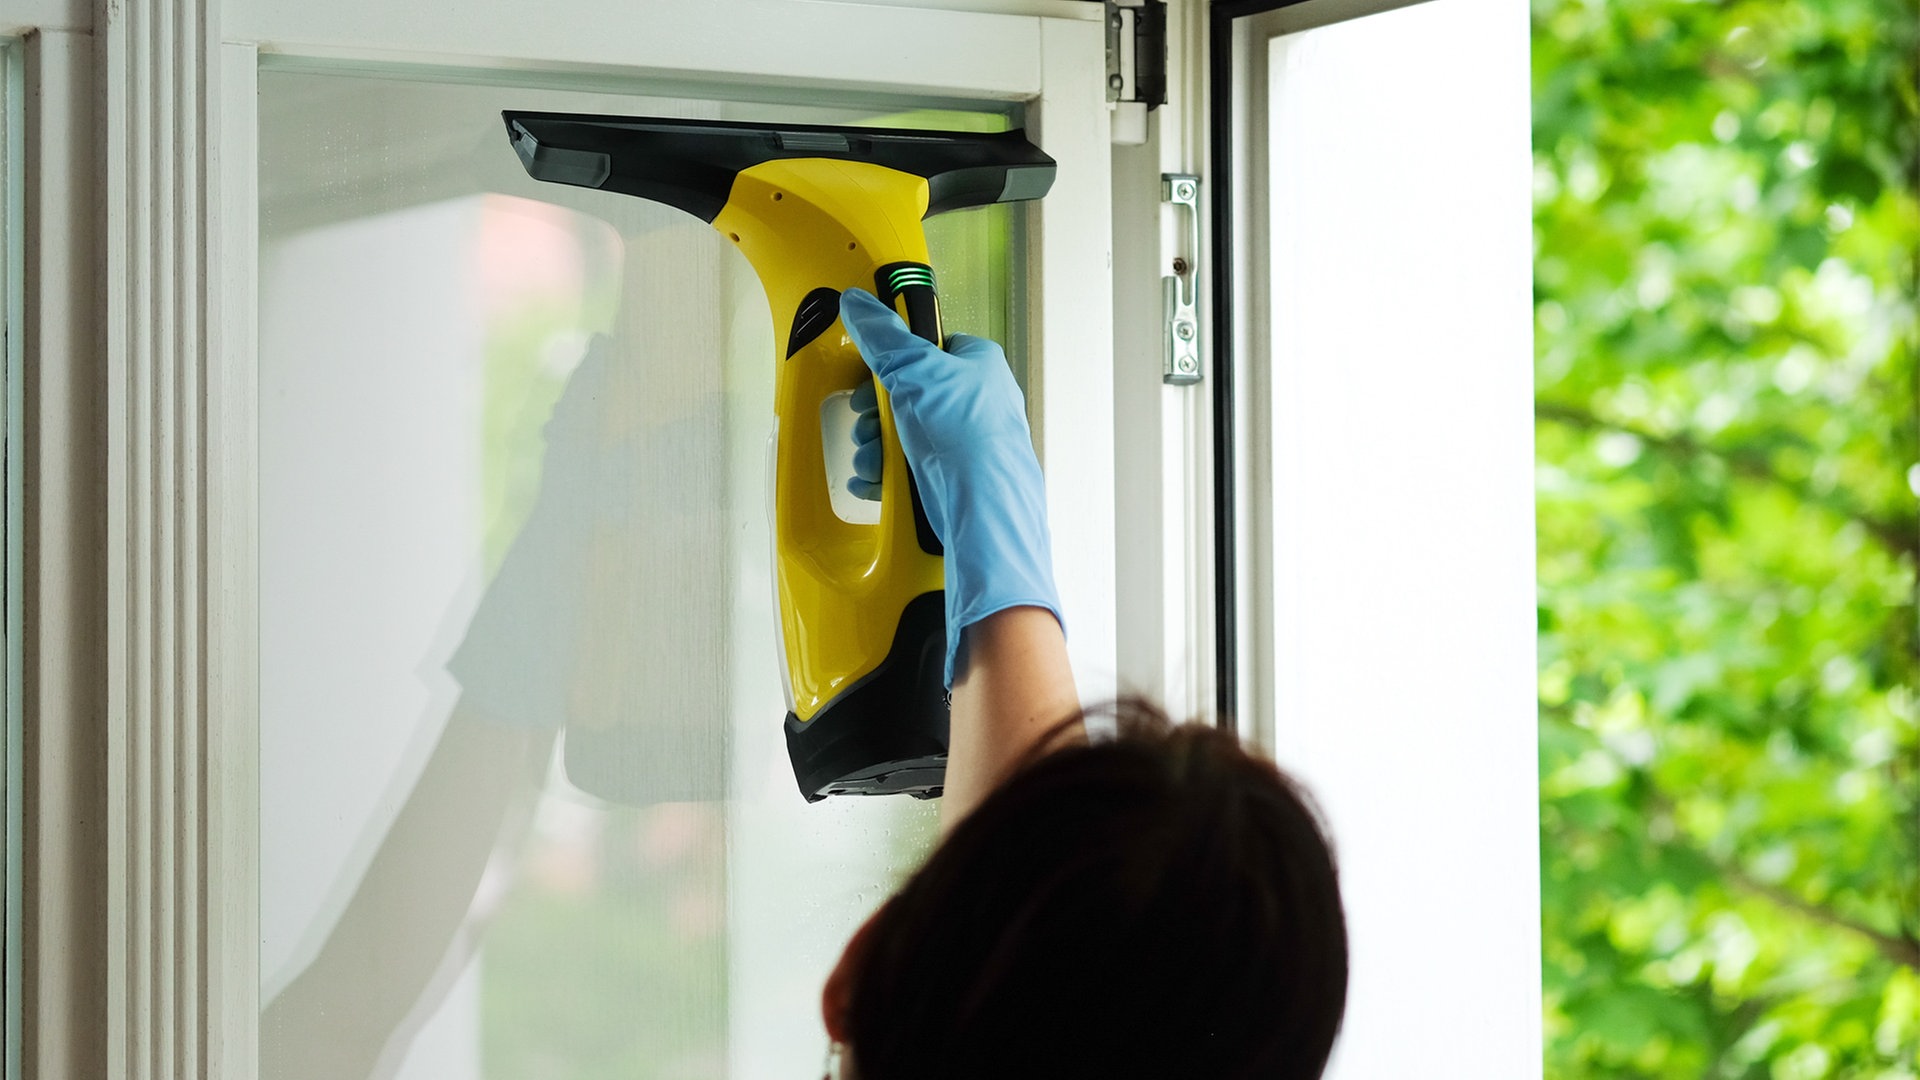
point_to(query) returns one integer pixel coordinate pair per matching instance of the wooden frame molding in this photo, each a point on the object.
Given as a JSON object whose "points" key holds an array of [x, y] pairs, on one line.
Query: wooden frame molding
{"points": [[159, 65], [63, 691]]}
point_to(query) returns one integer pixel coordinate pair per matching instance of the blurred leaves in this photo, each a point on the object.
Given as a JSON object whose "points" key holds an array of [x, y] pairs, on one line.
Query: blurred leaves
{"points": [[1726, 236]]}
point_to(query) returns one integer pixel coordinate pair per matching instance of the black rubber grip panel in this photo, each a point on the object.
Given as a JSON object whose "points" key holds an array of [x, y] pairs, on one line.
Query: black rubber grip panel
{"points": [[913, 283], [691, 164]]}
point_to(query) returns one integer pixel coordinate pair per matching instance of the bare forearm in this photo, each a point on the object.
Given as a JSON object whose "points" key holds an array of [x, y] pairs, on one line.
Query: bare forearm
{"points": [[1017, 687]]}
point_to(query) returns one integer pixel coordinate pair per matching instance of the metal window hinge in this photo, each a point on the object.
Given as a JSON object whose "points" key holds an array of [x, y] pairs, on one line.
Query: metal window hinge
{"points": [[1181, 299], [1136, 65]]}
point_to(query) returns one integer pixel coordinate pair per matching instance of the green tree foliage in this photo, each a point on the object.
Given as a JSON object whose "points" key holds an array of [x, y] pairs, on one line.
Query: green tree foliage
{"points": [[1726, 229]]}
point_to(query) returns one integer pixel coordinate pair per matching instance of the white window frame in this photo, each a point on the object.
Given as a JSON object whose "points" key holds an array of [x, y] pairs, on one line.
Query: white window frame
{"points": [[12, 490], [62, 537], [1163, 452], [142, 923]]}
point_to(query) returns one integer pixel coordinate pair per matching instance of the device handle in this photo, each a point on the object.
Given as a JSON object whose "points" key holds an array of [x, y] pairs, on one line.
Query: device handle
{"points": [[907, 287]]}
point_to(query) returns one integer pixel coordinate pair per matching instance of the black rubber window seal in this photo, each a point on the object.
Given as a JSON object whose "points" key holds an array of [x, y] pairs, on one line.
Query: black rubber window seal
{"points": [[1222, 15]]}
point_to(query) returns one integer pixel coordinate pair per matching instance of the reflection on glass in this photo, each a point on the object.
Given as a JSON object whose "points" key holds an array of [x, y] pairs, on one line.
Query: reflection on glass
{"points": [[526, 809]]}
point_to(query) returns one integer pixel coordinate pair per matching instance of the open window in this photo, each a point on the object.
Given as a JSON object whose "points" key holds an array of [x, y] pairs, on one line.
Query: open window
{"points": [[1374, 449], [386, 437]]}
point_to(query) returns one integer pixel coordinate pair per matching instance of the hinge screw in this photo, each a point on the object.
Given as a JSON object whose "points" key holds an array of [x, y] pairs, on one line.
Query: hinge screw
{"points": [[1180, 267], [1183, 331], [1184, 192]]}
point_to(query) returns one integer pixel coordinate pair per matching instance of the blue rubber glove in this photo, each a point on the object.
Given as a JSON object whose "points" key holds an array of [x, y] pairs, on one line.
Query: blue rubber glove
{"points": [[963, 424], [867, 454]]}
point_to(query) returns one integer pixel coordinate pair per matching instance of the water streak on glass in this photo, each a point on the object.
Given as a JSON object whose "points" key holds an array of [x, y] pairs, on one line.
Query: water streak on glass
{"points": [[525, 805]]}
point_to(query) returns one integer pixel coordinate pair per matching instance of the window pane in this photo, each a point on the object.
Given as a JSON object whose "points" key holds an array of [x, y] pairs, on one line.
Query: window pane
{"points": [[526, 809], [1403, 517]]}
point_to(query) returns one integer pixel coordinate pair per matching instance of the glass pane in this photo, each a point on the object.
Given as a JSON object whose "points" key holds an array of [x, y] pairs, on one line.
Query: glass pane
{"points": [[526, 809], [1402, 553]]}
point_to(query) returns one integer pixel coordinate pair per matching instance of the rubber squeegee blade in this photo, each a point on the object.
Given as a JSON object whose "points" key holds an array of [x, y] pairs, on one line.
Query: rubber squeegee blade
{"points": [[690, 164]]}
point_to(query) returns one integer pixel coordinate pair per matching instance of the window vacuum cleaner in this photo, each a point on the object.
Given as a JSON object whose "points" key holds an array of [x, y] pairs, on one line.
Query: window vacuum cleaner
{"points": [[816, 210]]}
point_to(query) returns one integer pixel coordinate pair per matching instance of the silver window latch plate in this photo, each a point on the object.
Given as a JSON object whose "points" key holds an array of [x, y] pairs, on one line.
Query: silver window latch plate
{"points": [[1180, 297]]}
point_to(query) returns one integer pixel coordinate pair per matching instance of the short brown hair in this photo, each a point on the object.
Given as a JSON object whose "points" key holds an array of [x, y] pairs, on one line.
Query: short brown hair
{"points": [[1163, 904]]}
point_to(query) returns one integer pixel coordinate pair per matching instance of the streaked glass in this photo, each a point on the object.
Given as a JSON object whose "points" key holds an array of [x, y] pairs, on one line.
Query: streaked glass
{"points": [[525, 803]]}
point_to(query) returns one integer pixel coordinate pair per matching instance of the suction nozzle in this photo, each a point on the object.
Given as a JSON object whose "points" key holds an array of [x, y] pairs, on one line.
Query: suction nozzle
{"points": [[691, 164]]}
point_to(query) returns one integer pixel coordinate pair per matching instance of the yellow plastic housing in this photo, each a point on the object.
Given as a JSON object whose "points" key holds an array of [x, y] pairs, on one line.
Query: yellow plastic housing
{"points": [[806, 224]]}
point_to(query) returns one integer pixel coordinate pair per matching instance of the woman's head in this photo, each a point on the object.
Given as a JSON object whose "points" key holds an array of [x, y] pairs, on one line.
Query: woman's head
{"points": [[1158, 905]]}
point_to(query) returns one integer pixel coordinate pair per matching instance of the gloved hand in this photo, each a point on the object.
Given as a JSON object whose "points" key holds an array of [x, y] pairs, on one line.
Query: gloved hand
{"points": [[868, 459], [963, 425]]}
